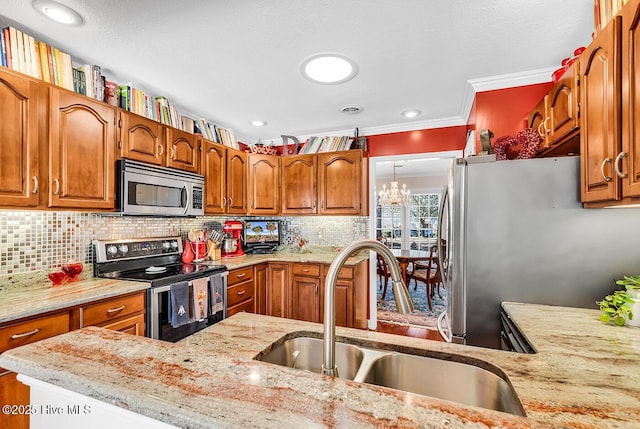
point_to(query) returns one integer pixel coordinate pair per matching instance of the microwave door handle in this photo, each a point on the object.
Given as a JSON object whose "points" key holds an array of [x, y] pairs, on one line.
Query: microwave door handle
{"points": [[185, 199]]}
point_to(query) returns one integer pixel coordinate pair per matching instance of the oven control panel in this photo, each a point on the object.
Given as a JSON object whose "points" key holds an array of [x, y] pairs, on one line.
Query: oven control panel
{"points": [[115, 250]]}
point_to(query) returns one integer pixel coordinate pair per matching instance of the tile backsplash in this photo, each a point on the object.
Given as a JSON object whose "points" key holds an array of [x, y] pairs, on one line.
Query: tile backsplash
{"points": [[40, 240]]}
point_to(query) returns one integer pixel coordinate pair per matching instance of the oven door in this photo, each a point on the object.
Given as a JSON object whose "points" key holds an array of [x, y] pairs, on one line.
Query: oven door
{"points": [[154, 191], [158, 324]]}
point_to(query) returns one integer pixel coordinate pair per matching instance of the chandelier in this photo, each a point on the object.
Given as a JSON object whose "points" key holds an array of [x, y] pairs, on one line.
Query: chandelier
{"points": [[394, 197]]}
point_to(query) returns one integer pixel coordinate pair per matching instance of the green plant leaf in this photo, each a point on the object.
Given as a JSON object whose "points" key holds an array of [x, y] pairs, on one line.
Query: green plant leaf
{"points": [[619, 321]]}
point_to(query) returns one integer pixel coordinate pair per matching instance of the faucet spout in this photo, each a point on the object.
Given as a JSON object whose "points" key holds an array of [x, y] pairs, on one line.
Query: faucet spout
{"points": [[400, 294]]}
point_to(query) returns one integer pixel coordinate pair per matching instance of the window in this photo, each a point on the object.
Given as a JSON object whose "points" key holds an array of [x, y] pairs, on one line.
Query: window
{"points": [[417, 224]]}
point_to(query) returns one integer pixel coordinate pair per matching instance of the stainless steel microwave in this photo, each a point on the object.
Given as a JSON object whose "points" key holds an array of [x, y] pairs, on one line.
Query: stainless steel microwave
{"points": [[148, 190]]}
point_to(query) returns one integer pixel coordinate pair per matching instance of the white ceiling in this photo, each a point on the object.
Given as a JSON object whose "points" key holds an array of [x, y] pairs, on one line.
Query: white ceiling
{"points": [[235, 61]]}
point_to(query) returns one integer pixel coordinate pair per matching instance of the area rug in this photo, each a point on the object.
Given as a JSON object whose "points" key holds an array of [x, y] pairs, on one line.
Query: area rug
{"points": [[421, 316]]}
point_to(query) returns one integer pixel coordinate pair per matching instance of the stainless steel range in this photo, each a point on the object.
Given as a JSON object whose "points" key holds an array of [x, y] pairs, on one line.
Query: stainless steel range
{"points": [[158, 261]]}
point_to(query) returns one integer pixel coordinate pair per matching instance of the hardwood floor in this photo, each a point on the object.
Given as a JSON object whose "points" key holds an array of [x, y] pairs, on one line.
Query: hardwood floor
{"points": [[408, 331]]}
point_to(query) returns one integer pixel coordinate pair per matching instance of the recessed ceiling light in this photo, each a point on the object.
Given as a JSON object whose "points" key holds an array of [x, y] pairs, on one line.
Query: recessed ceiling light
{"points": [[258, 123], [328, 68], [351, 109], [411, 113], [57, 12]]}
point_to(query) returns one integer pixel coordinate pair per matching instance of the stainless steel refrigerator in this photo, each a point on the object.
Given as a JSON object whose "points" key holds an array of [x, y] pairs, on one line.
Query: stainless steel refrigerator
{"points": [[516, 231]]}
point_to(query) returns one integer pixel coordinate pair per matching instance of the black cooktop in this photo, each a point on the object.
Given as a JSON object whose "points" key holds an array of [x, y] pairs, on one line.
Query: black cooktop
{"points": [[160, 275]]}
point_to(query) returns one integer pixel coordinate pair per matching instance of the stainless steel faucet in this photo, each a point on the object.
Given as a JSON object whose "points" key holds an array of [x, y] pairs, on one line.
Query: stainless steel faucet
{"points": [[400, 294]]}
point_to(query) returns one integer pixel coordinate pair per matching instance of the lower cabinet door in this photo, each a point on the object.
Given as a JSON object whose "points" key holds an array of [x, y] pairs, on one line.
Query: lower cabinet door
{"points": [[14, 393]]}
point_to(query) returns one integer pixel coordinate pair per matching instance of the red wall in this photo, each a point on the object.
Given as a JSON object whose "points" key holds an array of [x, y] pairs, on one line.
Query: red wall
{"points": [[418, 141], [504, 111]]}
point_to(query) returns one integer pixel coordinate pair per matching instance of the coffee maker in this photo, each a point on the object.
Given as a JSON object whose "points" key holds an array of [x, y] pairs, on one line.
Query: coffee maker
{"points": [[232, 243]]}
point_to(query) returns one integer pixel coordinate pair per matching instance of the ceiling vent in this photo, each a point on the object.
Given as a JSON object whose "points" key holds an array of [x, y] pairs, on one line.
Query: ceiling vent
{"points": [[351, 109]]}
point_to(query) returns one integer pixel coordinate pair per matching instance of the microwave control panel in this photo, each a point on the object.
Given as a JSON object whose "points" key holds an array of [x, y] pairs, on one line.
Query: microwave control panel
{"points": [[197, 198]]}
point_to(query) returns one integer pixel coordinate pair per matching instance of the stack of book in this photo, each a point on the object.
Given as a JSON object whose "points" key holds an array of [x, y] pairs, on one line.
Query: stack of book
{"points": [[604, 11], [21, 52], [326, 144]]}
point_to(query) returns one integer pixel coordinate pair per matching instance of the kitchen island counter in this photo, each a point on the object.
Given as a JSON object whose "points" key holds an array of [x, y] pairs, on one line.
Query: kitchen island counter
{"points": [[585, 375]]}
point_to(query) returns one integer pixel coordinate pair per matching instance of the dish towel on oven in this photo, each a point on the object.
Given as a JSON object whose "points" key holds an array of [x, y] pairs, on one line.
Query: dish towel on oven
{"points": [[200, 301], [179, 304], [217, 292]]}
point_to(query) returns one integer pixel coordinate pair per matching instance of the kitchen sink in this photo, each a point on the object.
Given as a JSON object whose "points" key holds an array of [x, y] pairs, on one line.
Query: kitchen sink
{"points": [[306, 353], [445, 377]]}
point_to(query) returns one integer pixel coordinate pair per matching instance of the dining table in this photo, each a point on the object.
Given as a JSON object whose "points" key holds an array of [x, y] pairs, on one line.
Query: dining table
{"points": [[406, 256]]}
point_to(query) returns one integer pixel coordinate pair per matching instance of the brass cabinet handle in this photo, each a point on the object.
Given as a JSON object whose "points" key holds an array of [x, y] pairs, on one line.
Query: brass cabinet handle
{"points": [[115, 310], [544, 124], [172, 153], [35, 185], [57, 189], [224, 201], [241, 292], [160, 150], [616, 165], [26, 334], [604, 176], [305, 270], [242, 275], [230, 201]]}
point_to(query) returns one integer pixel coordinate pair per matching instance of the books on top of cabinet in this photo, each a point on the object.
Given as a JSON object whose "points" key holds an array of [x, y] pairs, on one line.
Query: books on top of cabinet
{"points": [[22, 53], [326, 144]]}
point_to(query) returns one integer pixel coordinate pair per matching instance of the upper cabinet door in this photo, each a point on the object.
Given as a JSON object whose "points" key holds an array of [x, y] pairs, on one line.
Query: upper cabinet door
{"points": [[630, 161], [600, 115], [264, 184], [299, 181], [563, 106], [19, 181], [236, 181], [340, 177], [213, 168], [183, 150], [537, 118], [82, 152], [141, 139]]}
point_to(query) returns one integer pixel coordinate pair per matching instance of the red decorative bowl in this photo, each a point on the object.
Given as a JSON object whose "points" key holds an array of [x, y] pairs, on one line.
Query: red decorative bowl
{"points": [[73, 271], [57, 277]]}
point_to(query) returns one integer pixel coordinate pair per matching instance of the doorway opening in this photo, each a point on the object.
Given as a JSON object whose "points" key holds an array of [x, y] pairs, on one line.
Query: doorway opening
{"points": [[412, 227]]}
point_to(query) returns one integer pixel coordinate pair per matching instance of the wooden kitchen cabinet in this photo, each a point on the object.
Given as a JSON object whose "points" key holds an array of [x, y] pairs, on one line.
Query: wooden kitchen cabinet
{"points": [[123, 313], [183, 149], [260, 275], [600, 132], [299, 184], [19, 177], [14, 334], [306, 292], [277, 302], [240, 291], [264, 184], [556, 117], [340, 183], [141, 139], [236, 181], [225, 173], [81, 152]]}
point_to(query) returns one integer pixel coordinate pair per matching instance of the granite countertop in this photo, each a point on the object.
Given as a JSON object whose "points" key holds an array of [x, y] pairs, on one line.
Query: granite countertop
{"points": [[32, 293], [585, 375], [322, 255]]}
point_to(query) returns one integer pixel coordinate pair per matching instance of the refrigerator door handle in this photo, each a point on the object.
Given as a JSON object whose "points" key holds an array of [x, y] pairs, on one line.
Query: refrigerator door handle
{"points": [[445, 333], [444, 267]]}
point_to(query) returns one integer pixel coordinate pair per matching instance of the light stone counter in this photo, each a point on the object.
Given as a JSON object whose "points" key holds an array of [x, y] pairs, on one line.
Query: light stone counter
{"points": [[586, 375], [31, 294], [322, 256]]}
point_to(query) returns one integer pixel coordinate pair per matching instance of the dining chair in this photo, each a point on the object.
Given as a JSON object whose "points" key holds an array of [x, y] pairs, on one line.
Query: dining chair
{"points": [[428, 272], [383, 275]]}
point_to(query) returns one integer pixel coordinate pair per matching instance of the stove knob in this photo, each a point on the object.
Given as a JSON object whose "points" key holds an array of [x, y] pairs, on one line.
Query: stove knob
{"points": [[123, 248], [112, 250], [166, 245], [174, 244]]}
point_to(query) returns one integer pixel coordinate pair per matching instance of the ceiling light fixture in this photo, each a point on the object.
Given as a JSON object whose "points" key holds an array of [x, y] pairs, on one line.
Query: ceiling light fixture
{"points": [[394, 197], [328, 68], [409, 114], [258, 123], [351, 109], [57, 12]]}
